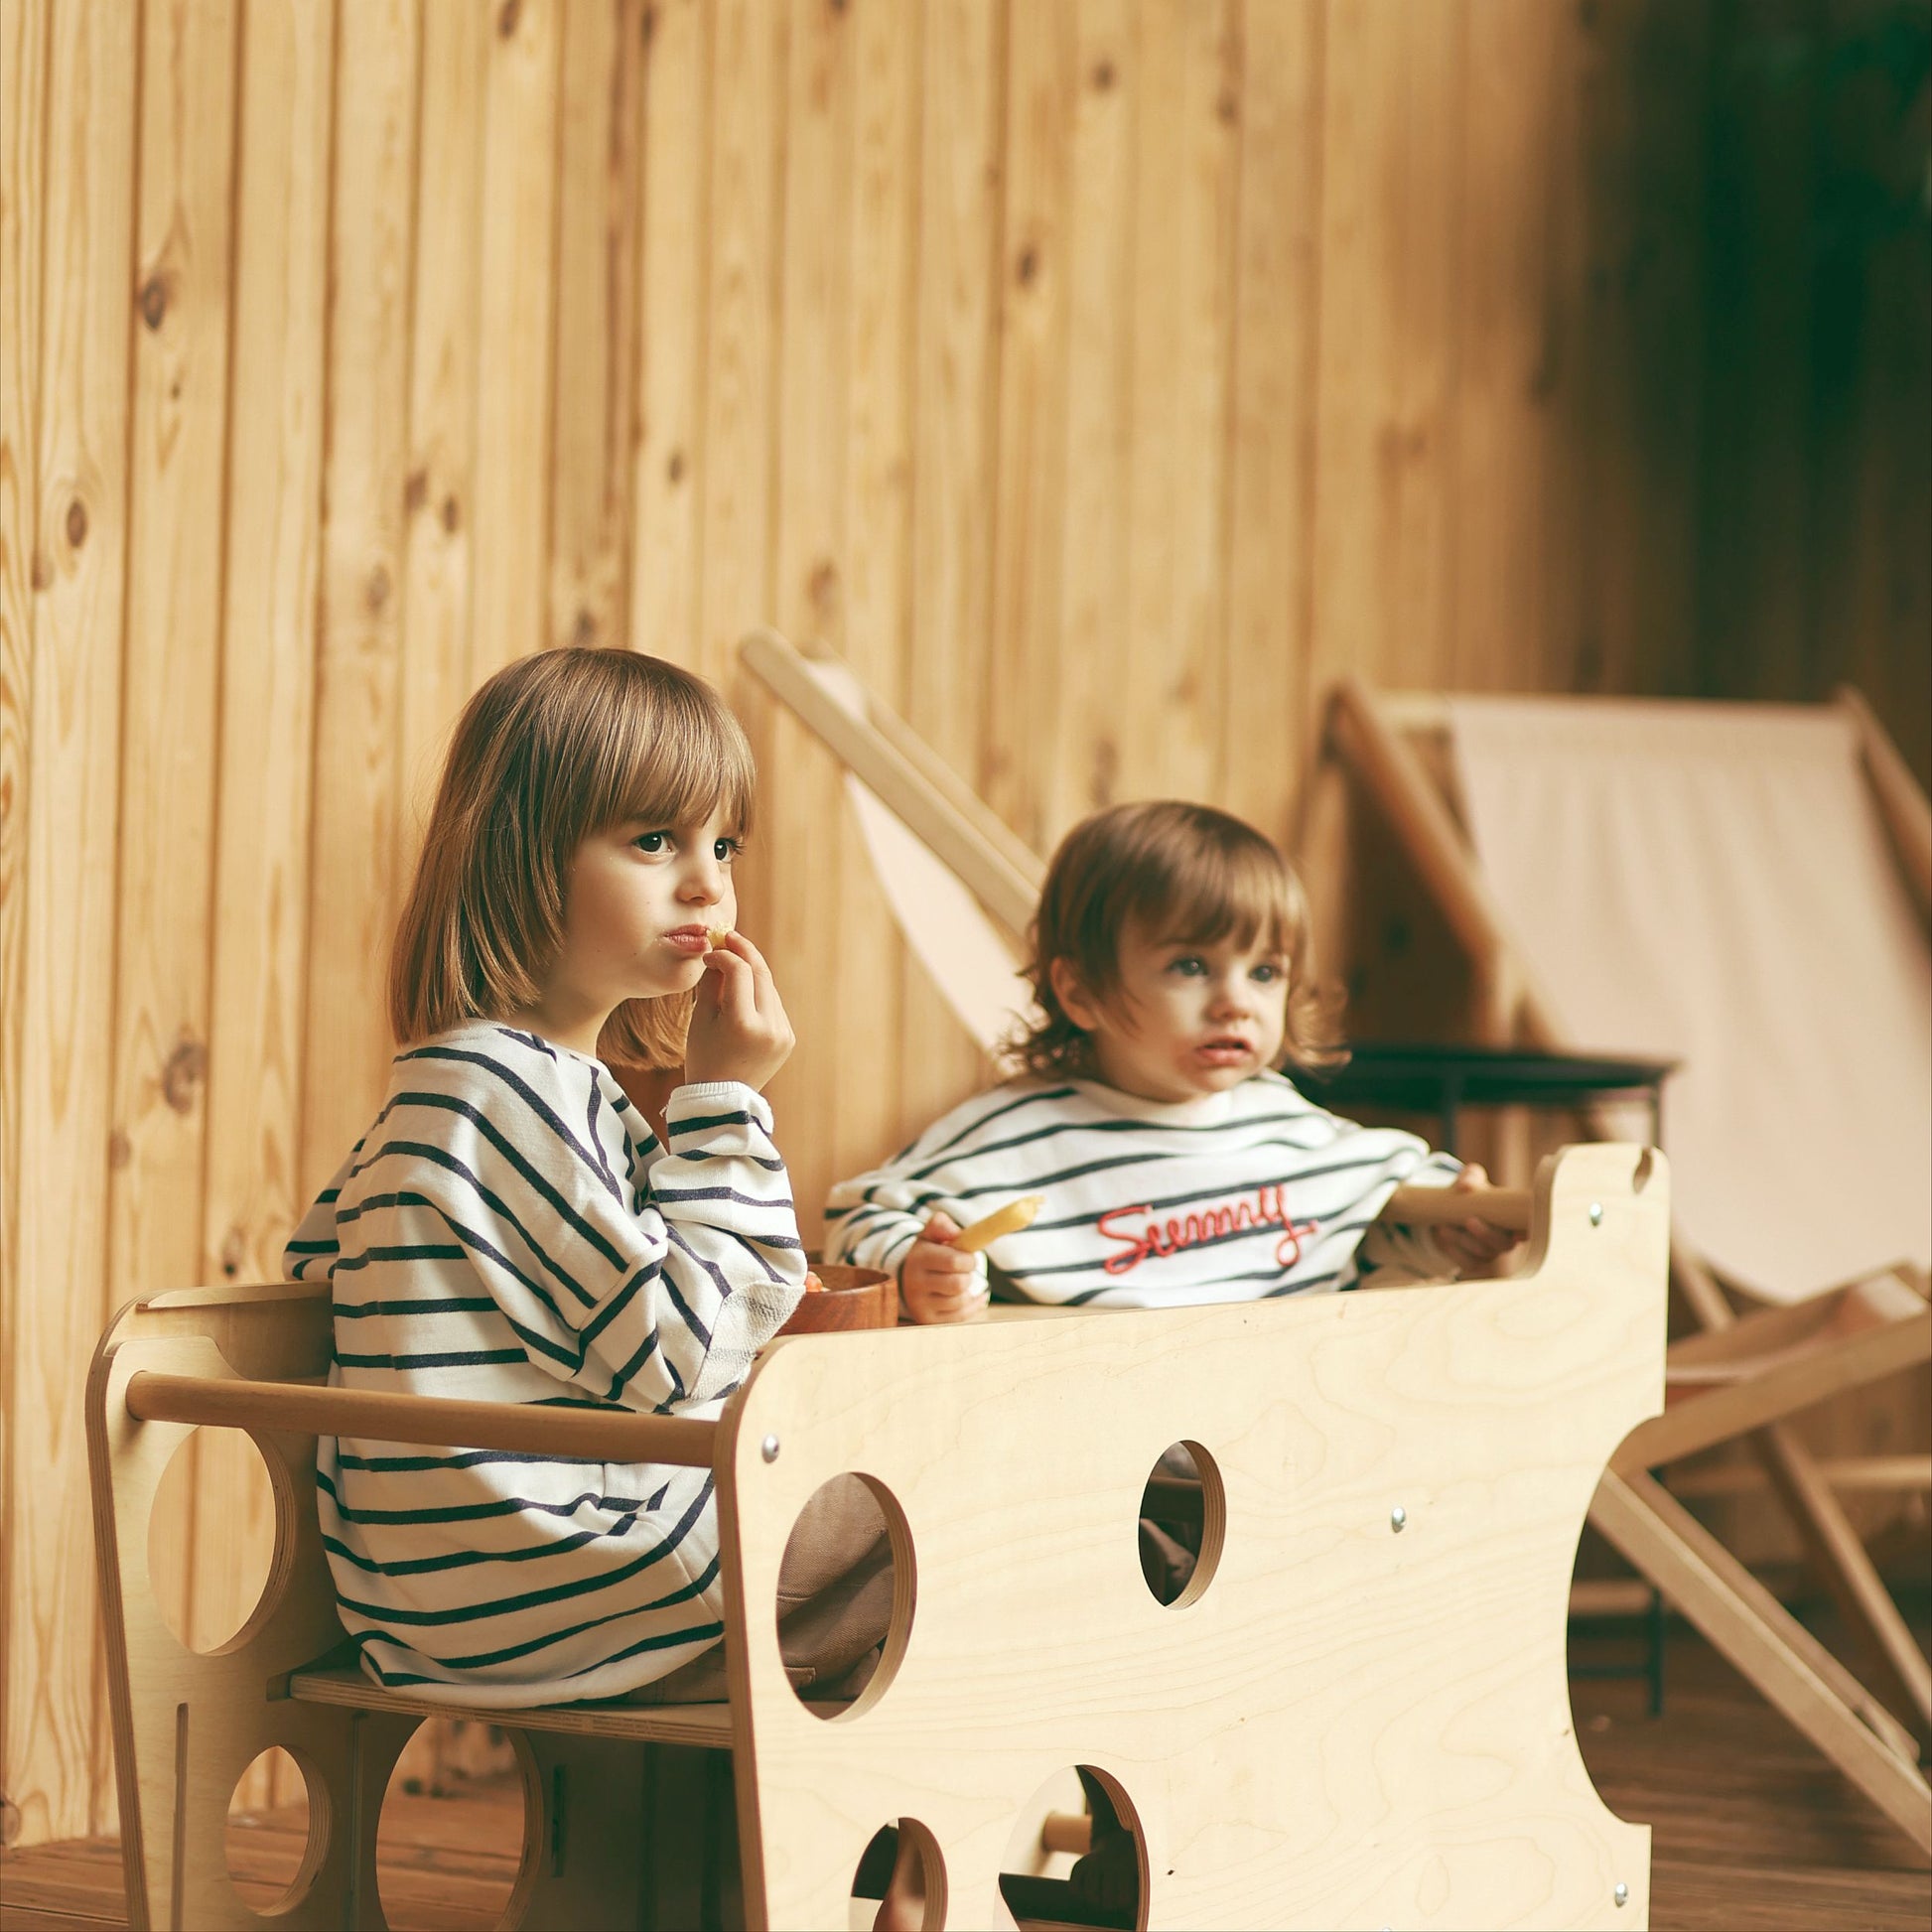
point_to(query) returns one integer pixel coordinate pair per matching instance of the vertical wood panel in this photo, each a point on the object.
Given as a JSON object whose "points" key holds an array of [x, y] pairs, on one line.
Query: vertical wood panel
{"points": [[598, 228], [955, 371], [439, 495], [1188, 105], [353, 887], [72, 779], [515, 335], [876, 583], [22, 108], [800, 856], [260, 931], [1023, 655], [1272, 441], [1086, 756], [667, 546], [183, 266]]}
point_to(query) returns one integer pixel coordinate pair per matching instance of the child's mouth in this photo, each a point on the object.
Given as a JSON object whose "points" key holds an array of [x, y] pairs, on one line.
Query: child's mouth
{"points": [[692, 939], [1225, 1052]]}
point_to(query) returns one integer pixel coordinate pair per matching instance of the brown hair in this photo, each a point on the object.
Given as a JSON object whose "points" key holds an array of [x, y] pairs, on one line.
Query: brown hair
{"points": [[551, 751], [1175, 871]]}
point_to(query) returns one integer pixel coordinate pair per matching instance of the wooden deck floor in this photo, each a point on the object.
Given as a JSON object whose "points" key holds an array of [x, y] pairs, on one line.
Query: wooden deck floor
{"points": [[1754, 1831]]}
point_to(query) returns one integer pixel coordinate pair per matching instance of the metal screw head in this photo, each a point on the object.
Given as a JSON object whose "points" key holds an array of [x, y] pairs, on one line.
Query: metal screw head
{"points": [[1620, 1893], [768, 1448], [1398, 1516], [1596, 1213]]}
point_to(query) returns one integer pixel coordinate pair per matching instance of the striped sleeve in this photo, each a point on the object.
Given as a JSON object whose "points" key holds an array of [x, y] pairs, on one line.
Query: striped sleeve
{"points": [[873, 1220], [651, 1292]]}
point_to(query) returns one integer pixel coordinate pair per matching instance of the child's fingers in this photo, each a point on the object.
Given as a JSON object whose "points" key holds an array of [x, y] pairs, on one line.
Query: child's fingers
{"points": [[939, 1227], [741, 948]]}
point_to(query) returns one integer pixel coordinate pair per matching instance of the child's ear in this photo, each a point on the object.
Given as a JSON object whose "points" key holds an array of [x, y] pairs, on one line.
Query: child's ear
{"points": [[1075, 1002]]}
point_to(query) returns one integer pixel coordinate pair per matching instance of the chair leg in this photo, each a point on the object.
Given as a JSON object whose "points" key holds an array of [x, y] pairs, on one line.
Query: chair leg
{"points": [[1833, 1543], [1840, 1557], [1749, 1625]]}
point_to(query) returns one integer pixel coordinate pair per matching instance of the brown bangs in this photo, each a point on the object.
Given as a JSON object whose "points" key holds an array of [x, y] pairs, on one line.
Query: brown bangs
{"points": [[550, 751], [1176, 872]]}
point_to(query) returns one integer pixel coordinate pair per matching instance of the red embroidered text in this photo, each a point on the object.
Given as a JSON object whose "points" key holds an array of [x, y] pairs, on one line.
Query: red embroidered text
{"points": [[1155, 1237]]}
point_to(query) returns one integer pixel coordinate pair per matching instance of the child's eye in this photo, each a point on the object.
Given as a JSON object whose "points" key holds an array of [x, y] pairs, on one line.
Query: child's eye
{"points": [[651, 841], [1190, 966], [1267, 973], [724, 850]]}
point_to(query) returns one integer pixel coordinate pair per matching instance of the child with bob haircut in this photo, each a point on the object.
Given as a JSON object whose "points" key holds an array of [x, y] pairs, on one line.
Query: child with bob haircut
{"points": [[510, 1229], [1176, 1164]]}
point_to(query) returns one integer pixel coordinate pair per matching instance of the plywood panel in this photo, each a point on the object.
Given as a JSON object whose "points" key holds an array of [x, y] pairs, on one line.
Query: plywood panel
{"points": [[72, 779]]}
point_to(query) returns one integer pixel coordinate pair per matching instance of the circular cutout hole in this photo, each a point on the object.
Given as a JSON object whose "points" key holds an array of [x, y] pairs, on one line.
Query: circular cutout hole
{"points": [[460, 1799], [1076, 1855], [900, 1883], [845, 1597], [1182, 1524], [278, 1832], [211, 1538]]}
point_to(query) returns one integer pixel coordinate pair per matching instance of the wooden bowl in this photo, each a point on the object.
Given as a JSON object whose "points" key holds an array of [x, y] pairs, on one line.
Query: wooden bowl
{"points": [[851, 1298]]}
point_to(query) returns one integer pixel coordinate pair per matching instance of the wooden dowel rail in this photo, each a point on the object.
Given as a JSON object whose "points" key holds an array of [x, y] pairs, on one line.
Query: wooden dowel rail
{"points": [[1503, 1207], [607, 1435]]}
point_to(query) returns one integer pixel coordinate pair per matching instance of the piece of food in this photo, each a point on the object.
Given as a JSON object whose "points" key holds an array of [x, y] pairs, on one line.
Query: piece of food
{"points": [[717, 934], [1010, 1220], [814, 1286]]}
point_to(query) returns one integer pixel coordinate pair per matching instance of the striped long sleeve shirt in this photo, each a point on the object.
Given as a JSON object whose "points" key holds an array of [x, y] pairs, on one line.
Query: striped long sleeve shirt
{"points": [[1232, 1197], [510, 1230]]}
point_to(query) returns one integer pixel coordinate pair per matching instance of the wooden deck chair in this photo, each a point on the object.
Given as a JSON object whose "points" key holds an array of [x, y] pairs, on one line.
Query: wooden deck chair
{"points": [[1745, 888], [1290, 1742], [963, 886]]}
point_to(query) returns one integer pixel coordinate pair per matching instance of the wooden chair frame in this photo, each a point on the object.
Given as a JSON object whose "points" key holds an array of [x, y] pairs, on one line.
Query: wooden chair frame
{"points": [[1291, 1738], [1790, 1668]]}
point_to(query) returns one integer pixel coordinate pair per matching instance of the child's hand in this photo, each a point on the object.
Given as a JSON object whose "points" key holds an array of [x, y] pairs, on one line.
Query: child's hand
{"points": [[738, 1030], [1474, 1244], [936, 1282]]}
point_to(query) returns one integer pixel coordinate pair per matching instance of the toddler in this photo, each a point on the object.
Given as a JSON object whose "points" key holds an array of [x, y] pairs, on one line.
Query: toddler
{"points": [[1177, 1165], [510, 1229]]}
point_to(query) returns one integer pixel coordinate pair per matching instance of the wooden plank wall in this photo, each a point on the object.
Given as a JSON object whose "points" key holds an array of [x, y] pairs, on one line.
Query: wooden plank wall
{"points": [[1100, 376]]}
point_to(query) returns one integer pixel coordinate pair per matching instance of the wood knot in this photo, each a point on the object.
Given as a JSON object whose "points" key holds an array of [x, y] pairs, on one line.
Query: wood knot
{"points": [[1227, 110], [508, 16], [452, 516], [415, 492], [186, 1068], [823, 587], [583, 629], [154, 300], [234, 1249], [648, 25], [375, 590], [120, 1150], [674, 468], [1027, 266], [42, 574], [76, 524], [1103, 75]]}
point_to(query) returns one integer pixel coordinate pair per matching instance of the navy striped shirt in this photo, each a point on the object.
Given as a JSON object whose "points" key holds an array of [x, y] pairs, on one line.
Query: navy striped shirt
{"points": [[1231, 1197], [510, 1230]]}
